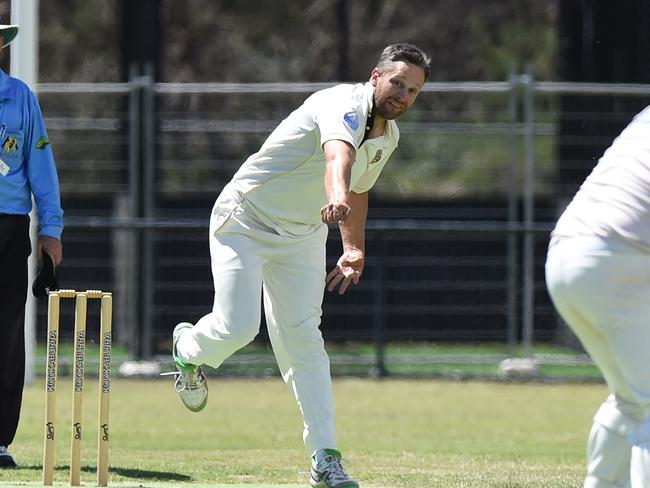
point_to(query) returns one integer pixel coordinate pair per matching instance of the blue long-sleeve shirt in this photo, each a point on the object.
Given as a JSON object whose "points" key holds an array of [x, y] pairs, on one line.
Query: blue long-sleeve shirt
{"points": [[26, 160]]}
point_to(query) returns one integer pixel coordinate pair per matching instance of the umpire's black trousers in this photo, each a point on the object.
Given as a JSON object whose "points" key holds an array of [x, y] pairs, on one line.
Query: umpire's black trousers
{"points": [[14, 249]]}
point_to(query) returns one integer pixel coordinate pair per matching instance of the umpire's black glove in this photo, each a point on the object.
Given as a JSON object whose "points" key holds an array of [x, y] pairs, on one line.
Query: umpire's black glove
{"points": [[46, 280]]}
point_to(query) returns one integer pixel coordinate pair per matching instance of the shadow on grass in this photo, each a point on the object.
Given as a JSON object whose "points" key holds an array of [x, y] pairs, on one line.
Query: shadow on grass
{"points": [[125, 472], [151, 475]]}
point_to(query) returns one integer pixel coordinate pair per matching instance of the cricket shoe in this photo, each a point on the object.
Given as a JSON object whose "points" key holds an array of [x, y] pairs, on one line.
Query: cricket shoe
{"points": [[329, 473], [190, 383], [6, 460]]}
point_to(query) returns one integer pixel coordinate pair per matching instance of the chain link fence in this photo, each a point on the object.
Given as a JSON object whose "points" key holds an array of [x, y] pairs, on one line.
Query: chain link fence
{"points": [[457, 229]]}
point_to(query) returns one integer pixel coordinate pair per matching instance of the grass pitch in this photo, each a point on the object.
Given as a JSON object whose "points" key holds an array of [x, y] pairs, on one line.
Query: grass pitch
{"points": [[396, 434]]}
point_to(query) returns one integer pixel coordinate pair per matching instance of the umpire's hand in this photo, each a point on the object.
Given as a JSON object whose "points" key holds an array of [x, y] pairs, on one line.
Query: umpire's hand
{"points": [[46, 279]]}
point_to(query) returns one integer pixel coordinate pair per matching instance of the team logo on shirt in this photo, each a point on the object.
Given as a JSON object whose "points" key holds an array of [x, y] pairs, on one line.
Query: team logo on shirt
{"points": [[352, 120], [377, 157], [42, 142], [10, 144]]}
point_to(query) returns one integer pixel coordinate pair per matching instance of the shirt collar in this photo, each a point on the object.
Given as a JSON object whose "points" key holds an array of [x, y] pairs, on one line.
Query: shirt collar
{"points": [[369, 91], [391, 131]]}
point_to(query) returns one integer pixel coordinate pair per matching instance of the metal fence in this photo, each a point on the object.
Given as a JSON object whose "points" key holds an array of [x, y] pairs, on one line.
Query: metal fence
{"points": [[457, 230]]}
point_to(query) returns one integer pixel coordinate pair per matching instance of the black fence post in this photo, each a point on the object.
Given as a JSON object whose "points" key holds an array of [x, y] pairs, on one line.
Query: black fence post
{"points": [[379, 315]]}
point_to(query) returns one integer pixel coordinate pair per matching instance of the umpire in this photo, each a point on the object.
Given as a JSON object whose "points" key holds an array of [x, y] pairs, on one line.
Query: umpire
{"points": [[26, 169]]}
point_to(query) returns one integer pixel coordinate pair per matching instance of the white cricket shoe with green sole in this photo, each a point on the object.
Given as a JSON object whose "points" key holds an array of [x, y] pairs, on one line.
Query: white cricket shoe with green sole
{"points": [[328, 471], [190, 383]]}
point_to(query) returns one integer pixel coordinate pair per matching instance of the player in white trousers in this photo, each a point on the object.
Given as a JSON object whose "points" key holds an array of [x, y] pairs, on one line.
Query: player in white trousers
{"points": [[598, 275], [268, 233]]}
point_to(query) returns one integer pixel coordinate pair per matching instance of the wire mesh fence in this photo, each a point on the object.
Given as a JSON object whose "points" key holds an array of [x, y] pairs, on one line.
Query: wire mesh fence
{"points": [[457, 229]]}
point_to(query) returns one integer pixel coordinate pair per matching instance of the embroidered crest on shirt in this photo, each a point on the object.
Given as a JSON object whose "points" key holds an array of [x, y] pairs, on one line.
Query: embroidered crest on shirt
{"points": [[10, 144], [42, 142], [377, 157], [352, 120]]}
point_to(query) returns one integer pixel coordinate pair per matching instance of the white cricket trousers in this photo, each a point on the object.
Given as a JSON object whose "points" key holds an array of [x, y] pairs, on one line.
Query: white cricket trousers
{"points": [[601, 287], [250, 261]]}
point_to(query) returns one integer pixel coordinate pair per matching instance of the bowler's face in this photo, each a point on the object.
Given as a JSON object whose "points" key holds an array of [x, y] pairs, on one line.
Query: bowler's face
{"points": [[396, 88]]}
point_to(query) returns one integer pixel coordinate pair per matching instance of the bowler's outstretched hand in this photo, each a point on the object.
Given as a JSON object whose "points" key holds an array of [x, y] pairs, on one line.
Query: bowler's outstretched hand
{"points": [[348, 270]]}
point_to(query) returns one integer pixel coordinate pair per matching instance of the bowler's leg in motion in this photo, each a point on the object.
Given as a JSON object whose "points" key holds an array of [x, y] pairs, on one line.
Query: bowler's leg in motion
{"points": [[235, 317], [293, 293]]}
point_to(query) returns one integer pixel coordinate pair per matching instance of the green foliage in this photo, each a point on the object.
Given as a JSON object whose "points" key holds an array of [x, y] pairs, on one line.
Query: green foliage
{"points": [[529, 36], [300, 40], [79, 41], [250, 41]]}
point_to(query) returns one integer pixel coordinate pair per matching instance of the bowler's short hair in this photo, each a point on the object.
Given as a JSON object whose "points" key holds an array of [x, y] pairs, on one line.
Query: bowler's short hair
{"points": [[407, 53]]}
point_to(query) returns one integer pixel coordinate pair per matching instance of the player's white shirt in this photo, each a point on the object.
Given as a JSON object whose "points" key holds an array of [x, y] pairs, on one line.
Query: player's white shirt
{"points": [[615, 198], [283, 183]]}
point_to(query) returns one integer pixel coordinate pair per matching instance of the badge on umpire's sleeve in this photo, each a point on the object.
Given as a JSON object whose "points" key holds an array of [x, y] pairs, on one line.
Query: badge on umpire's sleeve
{"points": [[4, 168], [42, 142]]}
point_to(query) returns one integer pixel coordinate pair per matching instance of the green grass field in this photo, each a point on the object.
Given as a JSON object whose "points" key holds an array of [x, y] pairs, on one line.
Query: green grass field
{"points": [[395, 433]]}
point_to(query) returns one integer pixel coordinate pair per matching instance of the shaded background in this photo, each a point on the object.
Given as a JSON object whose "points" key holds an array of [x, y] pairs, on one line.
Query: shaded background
{"points": [[453, 163]]}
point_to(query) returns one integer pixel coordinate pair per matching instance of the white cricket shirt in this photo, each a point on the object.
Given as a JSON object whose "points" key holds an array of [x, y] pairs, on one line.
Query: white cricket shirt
{"points": [[283, 183], [615, 198]]}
